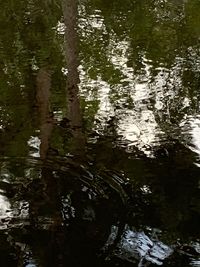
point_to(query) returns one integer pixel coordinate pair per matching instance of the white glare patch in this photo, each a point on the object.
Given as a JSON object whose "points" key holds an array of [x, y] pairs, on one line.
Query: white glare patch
{"points": [[141, 92], [159, 105], [145, 189], [137, 245], [196, 138], [96, 21], [128, 129], [4, 206], [191, 132], [91, 23], [34, 143], [195, 263], [186, 102], [60, 28], [58, 115], [64, 71]]}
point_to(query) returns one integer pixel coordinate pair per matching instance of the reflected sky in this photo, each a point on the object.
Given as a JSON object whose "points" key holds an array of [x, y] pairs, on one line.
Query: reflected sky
{"points": [[124, 74], [191, 133], [156, 94], [4, 206]]}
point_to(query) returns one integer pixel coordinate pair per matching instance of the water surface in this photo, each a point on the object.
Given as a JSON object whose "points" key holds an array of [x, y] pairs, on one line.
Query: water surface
{"points": [[100, 133]]}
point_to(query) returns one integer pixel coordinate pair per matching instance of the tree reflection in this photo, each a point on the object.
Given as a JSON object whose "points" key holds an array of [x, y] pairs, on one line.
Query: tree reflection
{"points": [[141, 61], [70, 12], [46, 119], [160, 38]]}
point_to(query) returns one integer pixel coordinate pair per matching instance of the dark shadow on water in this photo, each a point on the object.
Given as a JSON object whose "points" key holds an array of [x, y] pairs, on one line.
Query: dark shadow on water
{"points": [[75, 215]]}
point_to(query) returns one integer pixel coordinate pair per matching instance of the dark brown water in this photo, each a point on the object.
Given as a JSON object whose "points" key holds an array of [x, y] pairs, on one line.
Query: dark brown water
{"points": [[100, 133]]}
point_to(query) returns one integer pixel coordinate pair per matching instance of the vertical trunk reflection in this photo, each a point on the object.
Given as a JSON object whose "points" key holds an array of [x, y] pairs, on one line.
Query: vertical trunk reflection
{"points": [[51, 200], [70, 12], [46, 120]]}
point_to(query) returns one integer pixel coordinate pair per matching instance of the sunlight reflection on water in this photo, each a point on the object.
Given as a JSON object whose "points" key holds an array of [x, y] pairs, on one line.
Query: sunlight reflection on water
{"points": [[191, 133], [4, 206]]}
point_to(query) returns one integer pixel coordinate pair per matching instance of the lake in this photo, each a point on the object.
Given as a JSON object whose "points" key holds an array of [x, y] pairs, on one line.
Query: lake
{"points": [[100, 133]]}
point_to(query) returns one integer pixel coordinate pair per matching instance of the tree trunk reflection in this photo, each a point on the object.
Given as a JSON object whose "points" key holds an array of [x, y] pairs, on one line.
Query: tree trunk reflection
{"points": [[51, 200], [70, 12], [46, 119]]}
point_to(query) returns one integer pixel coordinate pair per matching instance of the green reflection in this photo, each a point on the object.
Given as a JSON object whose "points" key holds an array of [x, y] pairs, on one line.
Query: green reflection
{"points": [[137, 77]]}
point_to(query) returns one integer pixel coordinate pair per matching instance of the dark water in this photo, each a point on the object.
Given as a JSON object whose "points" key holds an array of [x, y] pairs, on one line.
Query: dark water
{"points": [[100, 133]]}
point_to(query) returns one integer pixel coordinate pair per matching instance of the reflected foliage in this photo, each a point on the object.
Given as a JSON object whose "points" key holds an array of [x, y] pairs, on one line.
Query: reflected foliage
{"points": [[128, 100]]}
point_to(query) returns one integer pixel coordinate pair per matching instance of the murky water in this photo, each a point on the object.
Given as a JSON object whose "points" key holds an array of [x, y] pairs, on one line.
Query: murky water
{"points": [[100, 133]]}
